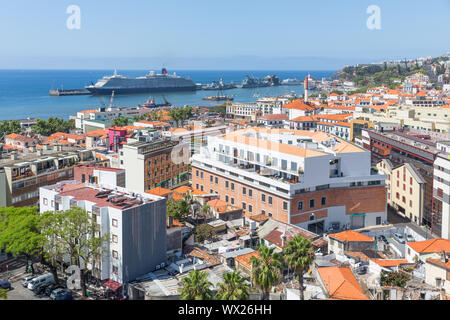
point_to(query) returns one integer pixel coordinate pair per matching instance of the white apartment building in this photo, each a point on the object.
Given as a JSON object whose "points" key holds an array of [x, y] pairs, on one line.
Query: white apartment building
{"points": [[441, 186], [136, 223], [310, 179]]}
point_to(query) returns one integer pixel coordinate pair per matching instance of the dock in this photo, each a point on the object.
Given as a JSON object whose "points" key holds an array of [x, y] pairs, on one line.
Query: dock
{"points": [[69, 92]]}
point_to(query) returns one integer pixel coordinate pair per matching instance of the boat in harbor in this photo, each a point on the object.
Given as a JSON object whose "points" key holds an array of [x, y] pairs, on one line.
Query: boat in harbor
{"points": [[219, 85], [267, 81], [150, 103], [218, 98], [152, 82], [291, 82]]}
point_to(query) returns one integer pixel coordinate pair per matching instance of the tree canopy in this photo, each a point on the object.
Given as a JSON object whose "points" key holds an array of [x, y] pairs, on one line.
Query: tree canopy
{"points": [[234, 287], [266, 270], [196, 286], [178, 209], [52, 125], [10, 126]]}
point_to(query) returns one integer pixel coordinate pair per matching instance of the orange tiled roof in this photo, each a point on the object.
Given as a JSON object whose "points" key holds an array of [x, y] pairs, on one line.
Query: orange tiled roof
{"points": [[298, 105], [159, 191], [244, 259], [389, 262], [341, 283], [430, 246], [350, 235]]}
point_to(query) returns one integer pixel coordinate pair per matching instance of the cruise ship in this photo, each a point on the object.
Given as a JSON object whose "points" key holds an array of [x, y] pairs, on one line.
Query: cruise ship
{"points": [[150, 83]]}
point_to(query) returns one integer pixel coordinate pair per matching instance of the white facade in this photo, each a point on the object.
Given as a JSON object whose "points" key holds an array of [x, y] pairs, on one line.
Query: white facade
{"points": [[138, 232], [441, 185]]}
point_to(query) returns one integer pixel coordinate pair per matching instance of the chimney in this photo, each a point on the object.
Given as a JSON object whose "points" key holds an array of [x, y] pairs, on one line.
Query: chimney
{"points": [[283, 240], [443, 257], [14, 155]]}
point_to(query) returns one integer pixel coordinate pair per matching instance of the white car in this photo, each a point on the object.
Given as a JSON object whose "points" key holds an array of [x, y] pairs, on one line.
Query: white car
{"points": [[399, 237]]}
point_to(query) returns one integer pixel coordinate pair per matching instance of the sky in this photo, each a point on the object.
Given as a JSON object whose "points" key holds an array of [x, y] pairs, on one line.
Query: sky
{"points": [[218, 34]]}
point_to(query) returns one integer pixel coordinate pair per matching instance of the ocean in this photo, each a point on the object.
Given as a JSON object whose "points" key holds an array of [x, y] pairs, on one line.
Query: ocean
{"points": [[25, 93]]}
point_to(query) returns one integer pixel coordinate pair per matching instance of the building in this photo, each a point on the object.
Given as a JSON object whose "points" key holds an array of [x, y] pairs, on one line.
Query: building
{"points": [[20, 179], [162, 163], [135, 222], [340, 283], [272, 120], [441, 187], [422, 250], [99, 175], [351, 241], [437, 272], [310, 179], [406, 190]]}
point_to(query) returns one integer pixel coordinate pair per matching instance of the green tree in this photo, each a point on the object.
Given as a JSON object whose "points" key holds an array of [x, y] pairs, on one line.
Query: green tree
{"points": [[121, 121], [266, 270], [52, 125], [205, 209], [396, 279], [11, 126], [299, 255], [3, 294], [233, 287], [79, 235], [178, 209], [204, 232], [196, 286], [19, 232]]}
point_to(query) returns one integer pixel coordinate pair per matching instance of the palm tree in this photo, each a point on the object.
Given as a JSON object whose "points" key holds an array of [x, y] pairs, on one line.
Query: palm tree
{"points": [[195, 286], [299, 255], [205, 209], [233, 287], [266, 271]]}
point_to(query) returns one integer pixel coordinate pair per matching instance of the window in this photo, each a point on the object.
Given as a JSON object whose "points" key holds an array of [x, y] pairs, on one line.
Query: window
{"points": [[263, 197], [201, 175], [270, 214], [227, 184], [311, 203], [232, 200], [285, 205], [52, 203], [226, 198], [211, 178], [244, 190], [217, 180], [300, 205], [378, 220], [196, 173], [270, 199], [115, 223], [115, 269], [115, 238], [45, 201], [324, 201], [250, 193], [232, 186], [201, 188], [250, 208], [244, 205], [115, 254]]}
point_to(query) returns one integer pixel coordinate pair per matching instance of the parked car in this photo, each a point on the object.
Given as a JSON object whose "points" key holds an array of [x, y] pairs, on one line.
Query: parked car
{"points": [[410, 238], [40, 289], [383, 238], [44, 279], [5, 285], [399, 237], [27, 279], [49, 289], [61, 294]]}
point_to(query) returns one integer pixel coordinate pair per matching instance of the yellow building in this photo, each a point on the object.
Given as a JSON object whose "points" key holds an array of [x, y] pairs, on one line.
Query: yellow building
{"points": [[405, 189]]}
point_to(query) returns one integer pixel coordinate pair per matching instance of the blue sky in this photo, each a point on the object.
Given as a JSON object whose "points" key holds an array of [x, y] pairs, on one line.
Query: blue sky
{"points": [[225, 34]]}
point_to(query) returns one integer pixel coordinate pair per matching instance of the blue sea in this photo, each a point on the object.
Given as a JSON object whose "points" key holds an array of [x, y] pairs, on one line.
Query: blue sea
{"points": [[24, 93]]}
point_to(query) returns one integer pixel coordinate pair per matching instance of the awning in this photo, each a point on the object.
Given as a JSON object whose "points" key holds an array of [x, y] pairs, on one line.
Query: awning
{"points": [[112, 285]]}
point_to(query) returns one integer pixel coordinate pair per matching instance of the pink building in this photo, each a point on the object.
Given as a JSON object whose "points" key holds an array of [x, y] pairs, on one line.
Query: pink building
{"points": [[116, 138]]}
